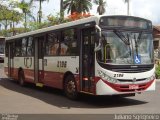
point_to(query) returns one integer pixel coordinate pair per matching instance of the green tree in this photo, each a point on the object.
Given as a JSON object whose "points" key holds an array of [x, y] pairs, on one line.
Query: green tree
{"points": [[26, 9], [77, 6], [5, 16], [9, 17], [40, 8], [16, 17], [101, 6]]}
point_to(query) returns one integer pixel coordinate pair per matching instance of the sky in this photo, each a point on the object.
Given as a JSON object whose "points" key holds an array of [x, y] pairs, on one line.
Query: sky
{"points": [[148, 9]]}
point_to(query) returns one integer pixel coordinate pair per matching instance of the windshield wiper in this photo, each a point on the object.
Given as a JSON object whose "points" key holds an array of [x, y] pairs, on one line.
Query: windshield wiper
{"points": [[136, 44], [122, 37], [139, 36], [137, 41], [129, 44], [125, 39]]}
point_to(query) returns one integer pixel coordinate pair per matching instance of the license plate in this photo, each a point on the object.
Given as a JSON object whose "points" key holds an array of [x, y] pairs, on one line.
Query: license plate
{"points": [[131, 87]]}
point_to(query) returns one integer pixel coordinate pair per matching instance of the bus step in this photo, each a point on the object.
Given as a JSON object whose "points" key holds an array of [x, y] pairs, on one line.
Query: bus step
{"points": [[39, 84]]}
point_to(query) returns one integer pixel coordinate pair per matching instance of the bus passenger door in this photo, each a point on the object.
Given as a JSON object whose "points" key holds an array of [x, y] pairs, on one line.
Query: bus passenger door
{"points": [[87, 60], [38, 60], [10, 59]]}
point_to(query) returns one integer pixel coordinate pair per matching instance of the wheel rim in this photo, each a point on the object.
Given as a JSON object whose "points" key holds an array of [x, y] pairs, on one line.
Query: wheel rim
{"points": [[71, 87]]}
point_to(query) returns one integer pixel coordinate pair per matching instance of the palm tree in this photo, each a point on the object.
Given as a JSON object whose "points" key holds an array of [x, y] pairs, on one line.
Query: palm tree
{"points": [[128, 5], [70, 5], [101, 6], [16, 17], [40, 8], [77, 6], [26, 9]]}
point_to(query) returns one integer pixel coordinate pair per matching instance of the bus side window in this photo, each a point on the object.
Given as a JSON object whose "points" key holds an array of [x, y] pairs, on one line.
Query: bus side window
{"points": [[69, 42], [18, 45], [30, 46], [52, 44], [24, 46]]}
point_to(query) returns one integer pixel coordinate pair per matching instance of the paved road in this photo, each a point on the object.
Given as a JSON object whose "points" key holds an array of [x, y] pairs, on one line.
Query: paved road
{"points": [[33, 100], [2, 75]]}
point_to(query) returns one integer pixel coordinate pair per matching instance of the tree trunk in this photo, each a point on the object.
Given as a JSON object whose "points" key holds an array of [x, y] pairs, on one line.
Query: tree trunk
{"points": [[25, 23], [61, 10], [6, 24], [13, 28], [40, 10]]}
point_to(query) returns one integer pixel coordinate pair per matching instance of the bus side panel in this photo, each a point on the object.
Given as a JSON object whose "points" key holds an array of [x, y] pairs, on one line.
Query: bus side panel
{"points": [[27, 67], [69, 64], [51, 72], [29, 75], [56, 68]]}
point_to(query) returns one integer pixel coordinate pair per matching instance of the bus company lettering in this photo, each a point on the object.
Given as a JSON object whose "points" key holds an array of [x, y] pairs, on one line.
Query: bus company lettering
{"points": [[62, 64]]}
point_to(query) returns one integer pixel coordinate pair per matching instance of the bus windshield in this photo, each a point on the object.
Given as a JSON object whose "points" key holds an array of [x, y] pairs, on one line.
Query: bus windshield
{"points": [[126, 48]]}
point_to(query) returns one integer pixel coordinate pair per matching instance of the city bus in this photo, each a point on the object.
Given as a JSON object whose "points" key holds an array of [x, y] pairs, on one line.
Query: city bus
{"points": [[98, 55], [2, 40]]}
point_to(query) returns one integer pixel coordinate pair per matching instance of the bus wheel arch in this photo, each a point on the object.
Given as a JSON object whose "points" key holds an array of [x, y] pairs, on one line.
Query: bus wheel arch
{"points": [[70, 86], [21, 77]]}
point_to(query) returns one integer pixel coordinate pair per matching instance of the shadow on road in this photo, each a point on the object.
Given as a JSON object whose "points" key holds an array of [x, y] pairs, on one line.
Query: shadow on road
{"points": [[55, 97]]}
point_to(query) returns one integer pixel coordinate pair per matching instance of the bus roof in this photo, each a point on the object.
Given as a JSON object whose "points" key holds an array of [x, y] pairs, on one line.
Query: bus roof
{"points": [[55, 27], [67, 24]]}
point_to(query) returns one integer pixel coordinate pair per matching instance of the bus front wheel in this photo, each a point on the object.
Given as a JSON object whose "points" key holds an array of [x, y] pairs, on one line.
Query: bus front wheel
{"points": [[21, 78], [70, 88]]}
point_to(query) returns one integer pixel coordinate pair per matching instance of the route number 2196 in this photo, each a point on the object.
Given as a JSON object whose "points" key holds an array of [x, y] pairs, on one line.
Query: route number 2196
{"points": [[118, 75], [62, 64]]}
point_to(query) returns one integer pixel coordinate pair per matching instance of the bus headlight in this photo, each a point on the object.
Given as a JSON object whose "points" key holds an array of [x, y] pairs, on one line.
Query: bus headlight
{"points": [[150, 78], [104, 76], [111, 80]]}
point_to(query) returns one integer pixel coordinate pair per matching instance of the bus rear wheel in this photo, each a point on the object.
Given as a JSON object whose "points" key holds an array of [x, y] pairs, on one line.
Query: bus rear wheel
{"points": [[21, 78], [70, 88]]}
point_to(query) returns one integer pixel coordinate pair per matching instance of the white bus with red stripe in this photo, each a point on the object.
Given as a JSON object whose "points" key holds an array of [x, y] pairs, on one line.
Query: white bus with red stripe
{"points": [[104, 55]]}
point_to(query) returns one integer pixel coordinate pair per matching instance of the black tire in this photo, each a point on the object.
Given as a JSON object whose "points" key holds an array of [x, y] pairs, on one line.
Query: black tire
{"points": [[21, 78], [70, 87]]}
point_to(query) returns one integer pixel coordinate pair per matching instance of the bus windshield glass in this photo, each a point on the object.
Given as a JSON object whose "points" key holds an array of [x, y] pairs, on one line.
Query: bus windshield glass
{"points": [[126, 48]]}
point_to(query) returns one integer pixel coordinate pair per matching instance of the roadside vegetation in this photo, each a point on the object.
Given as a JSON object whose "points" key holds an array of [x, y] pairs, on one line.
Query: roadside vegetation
{"points": [[157, 73]]}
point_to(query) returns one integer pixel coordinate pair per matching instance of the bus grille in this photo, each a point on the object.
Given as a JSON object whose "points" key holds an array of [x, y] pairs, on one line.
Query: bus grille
{"points": [[137, 70], [130, 80]]}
